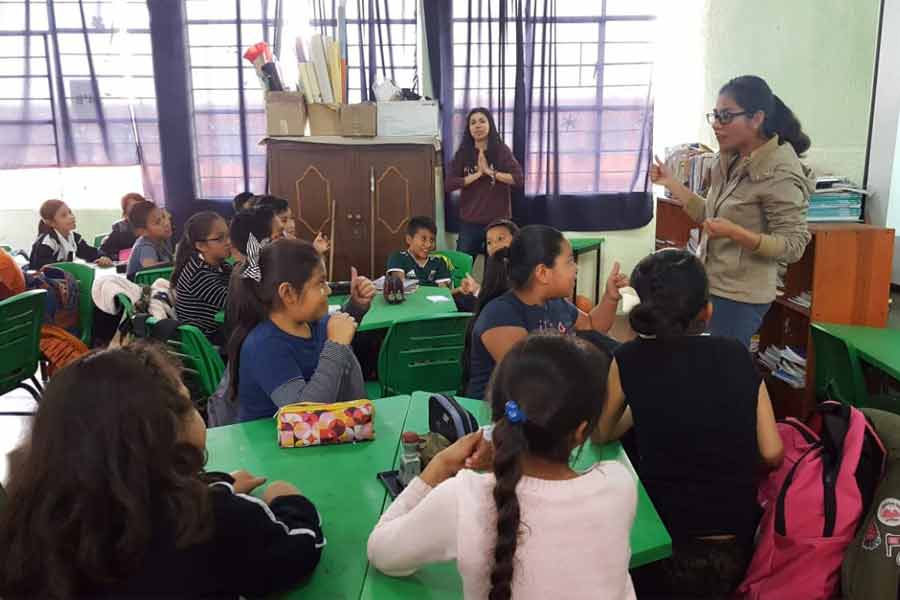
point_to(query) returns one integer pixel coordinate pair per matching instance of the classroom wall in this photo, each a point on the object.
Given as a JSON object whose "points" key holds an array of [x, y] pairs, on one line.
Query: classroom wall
{"points": [[817, 55], [883, 205], [18, 228]]}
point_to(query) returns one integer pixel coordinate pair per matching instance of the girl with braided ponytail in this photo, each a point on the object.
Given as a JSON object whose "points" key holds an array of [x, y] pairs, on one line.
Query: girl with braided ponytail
{"points": [[534, 528], [703, 423]]}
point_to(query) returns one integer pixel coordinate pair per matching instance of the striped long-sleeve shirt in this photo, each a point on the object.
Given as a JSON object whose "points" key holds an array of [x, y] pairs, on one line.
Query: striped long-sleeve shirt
{"points": [[200, 293]]}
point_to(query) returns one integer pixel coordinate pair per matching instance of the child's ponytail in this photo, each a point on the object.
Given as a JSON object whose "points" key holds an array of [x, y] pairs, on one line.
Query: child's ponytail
{"points": [[546, 389], [509, 444], [496, 283], [47, 212], [197, 229]]}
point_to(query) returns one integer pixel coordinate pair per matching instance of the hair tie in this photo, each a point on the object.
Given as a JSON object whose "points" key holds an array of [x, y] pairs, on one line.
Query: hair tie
{"points": [[251, 266], [514, 414]]}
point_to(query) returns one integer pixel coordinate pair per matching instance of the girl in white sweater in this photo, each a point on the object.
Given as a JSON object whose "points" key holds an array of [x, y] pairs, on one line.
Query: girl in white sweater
{"points": [[534, 527]]}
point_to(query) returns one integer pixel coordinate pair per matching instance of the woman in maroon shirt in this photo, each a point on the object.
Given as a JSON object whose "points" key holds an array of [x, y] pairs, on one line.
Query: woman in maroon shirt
{"points": [[486, 170]]}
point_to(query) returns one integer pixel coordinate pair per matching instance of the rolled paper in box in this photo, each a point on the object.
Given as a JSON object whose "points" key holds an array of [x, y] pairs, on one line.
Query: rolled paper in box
{"points": [[312, 424]]}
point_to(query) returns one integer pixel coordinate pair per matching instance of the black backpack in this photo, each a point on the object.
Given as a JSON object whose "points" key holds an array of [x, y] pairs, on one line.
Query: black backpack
{"points": [[448, 418]]}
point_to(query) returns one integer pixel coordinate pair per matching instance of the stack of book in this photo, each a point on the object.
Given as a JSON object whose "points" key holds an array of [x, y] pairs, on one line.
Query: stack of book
{"points": [[787, 364], [323, 77], [836, 199]]}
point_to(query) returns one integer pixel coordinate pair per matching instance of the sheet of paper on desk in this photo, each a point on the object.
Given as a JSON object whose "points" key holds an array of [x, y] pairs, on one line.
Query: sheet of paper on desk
{"points": [[438, 298], [333, 308]]}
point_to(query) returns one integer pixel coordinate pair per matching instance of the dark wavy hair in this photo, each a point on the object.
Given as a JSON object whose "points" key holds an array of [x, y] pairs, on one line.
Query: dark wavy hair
{"points": [[559, 382], [467, 143], [249, 303], [753, 94], [197, 229], [102, 469], [673, 289]]}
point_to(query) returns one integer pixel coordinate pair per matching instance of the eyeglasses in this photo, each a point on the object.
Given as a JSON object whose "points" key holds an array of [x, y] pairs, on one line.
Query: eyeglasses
{"points": [[219, 238], [723, 117]]}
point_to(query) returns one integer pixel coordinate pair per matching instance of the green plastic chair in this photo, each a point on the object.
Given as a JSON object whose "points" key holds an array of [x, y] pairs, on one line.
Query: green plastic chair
{"points": [[460, 263], [21, 317], [148, 276], [99, 239], [6, 247], [202, 366], [423, 354], [85, 276]]}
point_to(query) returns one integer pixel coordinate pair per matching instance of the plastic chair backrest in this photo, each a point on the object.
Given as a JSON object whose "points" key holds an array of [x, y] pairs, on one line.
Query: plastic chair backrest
{"points": [[148, 276], [461, 263], [423, 354], [99, 239], [85, 276], [6, 247], [202, 366], [21, 317], [838, 370]]}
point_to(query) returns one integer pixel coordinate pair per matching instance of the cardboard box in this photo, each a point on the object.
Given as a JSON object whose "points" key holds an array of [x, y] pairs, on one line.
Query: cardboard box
{"points": [[409, 118], [324, 119], [285, 114], [358, 120]]}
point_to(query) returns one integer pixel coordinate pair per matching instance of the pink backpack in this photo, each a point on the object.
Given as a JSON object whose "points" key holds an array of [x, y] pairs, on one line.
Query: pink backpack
{"points": [[813, 504]]}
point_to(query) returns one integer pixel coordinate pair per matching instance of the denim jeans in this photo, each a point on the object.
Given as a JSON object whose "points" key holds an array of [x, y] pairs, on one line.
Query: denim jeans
{"points": [[738, 320], [471, 238]]}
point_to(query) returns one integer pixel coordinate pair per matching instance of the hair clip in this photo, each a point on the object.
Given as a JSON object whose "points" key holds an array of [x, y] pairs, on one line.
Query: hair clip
{"points": [[514, 414], [251, 267]]}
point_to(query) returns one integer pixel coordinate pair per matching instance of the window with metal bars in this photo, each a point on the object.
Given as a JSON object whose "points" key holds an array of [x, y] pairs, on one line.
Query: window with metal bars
{"points": [[228, 106], [381, 42], [589, 67], [76, 86]]}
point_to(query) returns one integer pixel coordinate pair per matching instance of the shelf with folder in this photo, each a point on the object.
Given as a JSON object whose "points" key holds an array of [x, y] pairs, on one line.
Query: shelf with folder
{"points": [[846, 270]]}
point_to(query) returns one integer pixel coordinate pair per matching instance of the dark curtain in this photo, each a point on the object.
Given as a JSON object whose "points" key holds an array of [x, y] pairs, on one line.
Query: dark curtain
{"points": [[85, 88], [579, 123]]}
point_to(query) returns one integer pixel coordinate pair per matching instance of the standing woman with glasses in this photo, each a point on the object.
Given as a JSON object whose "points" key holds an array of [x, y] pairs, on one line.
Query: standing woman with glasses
{"points": [[755, 213], [485, 169]]}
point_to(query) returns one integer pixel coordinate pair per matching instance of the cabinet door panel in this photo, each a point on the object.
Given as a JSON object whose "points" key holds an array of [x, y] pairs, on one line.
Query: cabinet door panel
{"points": [[403, 181], [317, 183]]}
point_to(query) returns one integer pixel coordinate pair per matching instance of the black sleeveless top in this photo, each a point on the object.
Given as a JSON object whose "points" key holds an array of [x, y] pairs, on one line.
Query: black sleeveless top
{"points": [[693, 400]]}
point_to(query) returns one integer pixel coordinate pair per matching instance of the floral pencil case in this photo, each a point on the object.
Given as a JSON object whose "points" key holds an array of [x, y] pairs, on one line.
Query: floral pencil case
{"points": [[312, 424]]}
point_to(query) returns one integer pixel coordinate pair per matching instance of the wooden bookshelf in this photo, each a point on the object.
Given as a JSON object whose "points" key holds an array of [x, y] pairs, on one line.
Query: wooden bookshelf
{"points": [[847, 270], [673, 226]]}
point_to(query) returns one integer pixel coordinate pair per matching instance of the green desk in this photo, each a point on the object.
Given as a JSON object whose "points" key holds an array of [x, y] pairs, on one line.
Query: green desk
{"points": [[382, 315], [583, 246], [880, 347], [649, 539], [339, 479]]}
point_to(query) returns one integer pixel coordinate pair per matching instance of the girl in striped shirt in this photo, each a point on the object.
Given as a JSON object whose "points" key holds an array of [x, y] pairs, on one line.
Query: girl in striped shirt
{"points": [[201, 275]]}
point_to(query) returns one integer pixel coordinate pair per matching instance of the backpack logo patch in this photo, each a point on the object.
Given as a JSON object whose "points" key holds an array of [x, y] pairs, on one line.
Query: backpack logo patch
{"points": [[891, 541], [889, 512], [872, 539]]}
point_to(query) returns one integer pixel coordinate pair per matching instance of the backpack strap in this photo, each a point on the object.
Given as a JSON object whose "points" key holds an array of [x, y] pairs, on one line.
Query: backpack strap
{"points": [[835, 424], [780, 524]]}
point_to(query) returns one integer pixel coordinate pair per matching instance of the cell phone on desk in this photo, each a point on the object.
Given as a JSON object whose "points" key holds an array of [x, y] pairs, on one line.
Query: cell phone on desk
{"points": [[391, 480]]}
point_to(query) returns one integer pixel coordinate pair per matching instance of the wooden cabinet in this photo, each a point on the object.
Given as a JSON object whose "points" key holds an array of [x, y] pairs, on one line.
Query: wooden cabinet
{"points": [[673, 226], [369, 190], [847, 270]]}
